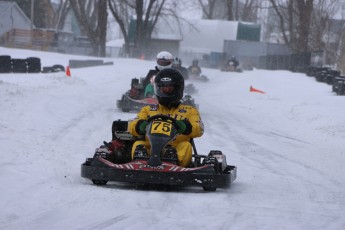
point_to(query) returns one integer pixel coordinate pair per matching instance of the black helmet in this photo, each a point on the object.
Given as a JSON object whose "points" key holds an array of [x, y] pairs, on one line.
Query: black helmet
{"points": [[169, 86]]}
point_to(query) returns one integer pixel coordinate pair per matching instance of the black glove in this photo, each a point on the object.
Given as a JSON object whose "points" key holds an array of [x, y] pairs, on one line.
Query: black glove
{"points": [[184, 127], [140, 127]]}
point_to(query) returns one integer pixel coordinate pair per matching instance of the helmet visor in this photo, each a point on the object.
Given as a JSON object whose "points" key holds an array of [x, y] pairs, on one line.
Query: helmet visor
{"points": [[165, 90], [168, 89], [164, 62]]}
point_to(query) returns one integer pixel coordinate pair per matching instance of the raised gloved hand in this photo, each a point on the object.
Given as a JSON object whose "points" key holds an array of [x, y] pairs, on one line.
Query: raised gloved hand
{"points": [[141, 127], [184, 127]]}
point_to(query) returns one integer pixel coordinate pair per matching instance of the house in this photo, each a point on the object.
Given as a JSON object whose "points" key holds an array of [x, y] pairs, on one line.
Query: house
{"points": [[16, 30], [12, 17]]}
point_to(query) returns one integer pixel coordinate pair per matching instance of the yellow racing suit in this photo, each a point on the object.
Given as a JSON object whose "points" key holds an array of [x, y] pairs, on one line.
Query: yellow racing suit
{"points": [[182, 142]]}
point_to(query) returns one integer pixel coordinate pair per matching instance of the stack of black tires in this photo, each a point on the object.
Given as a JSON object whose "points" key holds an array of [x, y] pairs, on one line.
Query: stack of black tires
{"points": [[5, 64], [329, 76], [16, 65], [34, 64]]}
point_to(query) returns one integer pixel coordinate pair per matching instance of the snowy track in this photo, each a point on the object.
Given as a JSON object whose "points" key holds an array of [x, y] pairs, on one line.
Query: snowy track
{"points": [[287, 145]]}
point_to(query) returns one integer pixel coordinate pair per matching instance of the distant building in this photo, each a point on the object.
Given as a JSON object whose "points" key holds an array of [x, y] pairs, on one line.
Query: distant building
{"points": [[12, 17]]}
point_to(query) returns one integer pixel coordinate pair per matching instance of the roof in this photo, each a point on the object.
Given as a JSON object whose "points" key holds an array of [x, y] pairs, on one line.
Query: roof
{"points": [[5, 6]]}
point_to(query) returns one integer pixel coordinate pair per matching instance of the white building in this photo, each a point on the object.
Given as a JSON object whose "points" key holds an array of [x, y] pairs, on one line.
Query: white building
{"points": [[12, 17]]}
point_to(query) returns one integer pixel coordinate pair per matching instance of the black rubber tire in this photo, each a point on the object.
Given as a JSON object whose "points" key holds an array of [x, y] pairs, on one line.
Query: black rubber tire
{"points": [[341, 89], [34, 64], [19, 66], [58, 68], [5, 64], [99, 182], [209, 188]]}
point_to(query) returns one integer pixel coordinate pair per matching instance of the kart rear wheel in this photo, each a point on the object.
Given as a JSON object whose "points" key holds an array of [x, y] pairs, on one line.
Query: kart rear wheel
{"points": [[209, 188], [99, 182]]}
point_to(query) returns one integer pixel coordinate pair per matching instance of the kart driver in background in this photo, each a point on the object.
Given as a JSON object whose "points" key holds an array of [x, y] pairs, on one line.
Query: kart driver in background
{"points": [[168, 88], [164, 60]]}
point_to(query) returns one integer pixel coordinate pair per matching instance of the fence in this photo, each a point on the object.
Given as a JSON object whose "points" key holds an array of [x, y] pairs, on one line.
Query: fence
{"points": [[46, 40]]}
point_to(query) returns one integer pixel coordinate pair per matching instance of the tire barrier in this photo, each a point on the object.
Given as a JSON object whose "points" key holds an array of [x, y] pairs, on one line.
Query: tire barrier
{"points": [[19, 66], [53, 69], [34, 64], [28, 65], [329, 76], [5, 64]]}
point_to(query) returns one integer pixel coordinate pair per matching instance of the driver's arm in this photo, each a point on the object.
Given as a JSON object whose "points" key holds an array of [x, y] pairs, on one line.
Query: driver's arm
{"points": [[142, 115], [196, 122]]}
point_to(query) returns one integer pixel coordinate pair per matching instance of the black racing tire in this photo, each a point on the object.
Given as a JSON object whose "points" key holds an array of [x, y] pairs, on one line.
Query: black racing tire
{"points": [[341, 89], [333, 88], [209, 188], [58, 68], [19, 66], [124, 99], [5, 64], [99, 182], [34, 64]]}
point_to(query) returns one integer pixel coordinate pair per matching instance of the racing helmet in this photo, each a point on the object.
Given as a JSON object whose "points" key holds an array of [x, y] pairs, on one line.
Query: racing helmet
{"points": [[164, 60], [168, 87], [177, 61]]}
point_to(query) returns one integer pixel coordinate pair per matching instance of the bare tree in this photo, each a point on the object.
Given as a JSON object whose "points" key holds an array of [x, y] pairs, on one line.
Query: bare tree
{"points": [[208, 7], [92, 16], [146, 15], [250, 10], [60, 13], [295, 21], [321, 23], [229, 6], [245, 10], [120, 10]]}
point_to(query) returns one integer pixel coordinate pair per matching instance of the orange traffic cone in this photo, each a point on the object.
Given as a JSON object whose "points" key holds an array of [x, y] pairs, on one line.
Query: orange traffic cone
{"points": [[68, 72], [255, 90]]}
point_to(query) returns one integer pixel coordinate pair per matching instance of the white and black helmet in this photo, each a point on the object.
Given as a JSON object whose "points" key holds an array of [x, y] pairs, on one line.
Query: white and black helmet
{"points": [[169, 77], [164, 60]]}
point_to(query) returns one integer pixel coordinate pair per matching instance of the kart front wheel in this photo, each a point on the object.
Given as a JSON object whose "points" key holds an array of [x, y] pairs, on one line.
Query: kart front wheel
{"points": [[209, 188], [99, 182]]}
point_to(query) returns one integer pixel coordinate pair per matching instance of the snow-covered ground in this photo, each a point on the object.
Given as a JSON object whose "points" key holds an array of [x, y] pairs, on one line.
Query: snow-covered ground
{"points": [[288, 145]]}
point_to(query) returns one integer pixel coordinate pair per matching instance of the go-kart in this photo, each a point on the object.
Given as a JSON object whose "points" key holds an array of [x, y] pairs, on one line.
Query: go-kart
{"points": [[112, 161], [134, 99], [230, 67]]}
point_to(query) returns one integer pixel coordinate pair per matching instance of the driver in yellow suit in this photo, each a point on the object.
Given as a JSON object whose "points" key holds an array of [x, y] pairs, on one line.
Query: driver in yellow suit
{"points": [[168, 87]]}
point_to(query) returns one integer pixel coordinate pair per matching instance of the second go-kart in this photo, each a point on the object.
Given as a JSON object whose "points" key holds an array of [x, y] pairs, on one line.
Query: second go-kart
{"points": [[134, 99]]}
